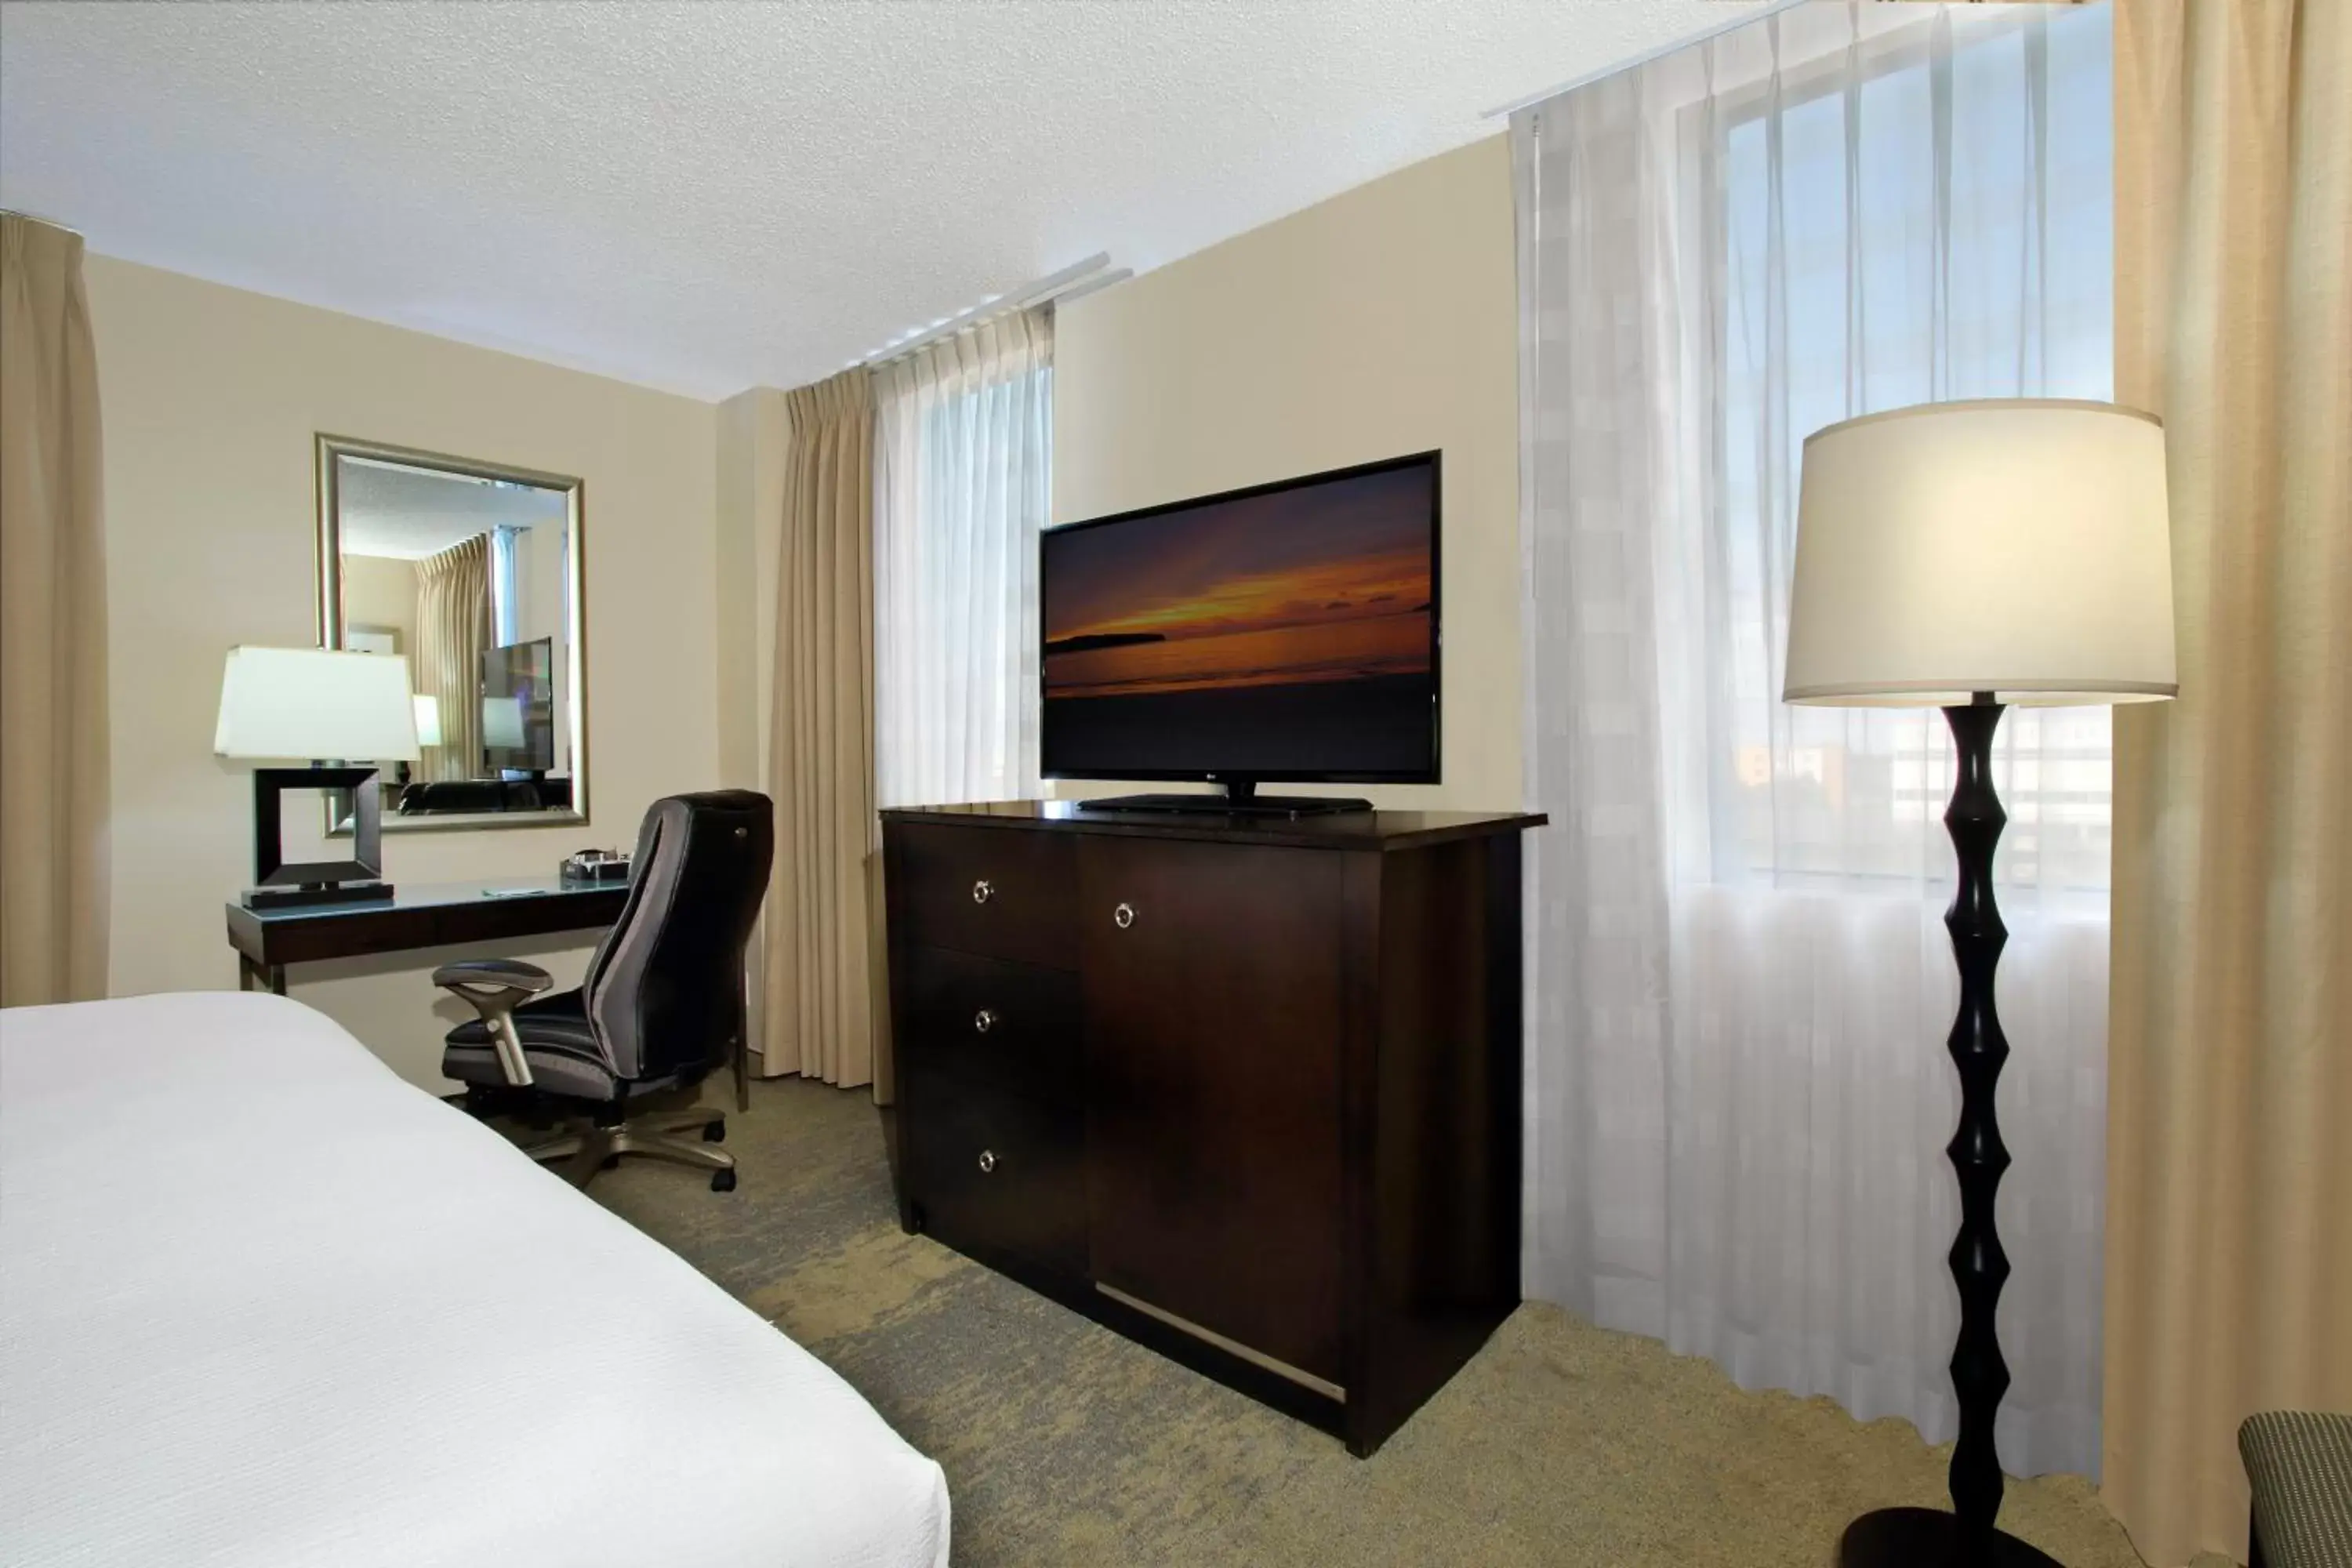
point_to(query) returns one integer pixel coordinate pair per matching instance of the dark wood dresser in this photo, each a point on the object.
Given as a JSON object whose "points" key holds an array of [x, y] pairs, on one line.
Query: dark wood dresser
{"points": [[1246, 1090]]}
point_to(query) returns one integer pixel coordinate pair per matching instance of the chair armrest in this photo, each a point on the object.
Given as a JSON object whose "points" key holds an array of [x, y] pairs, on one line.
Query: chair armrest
{"points": [[526, 978], [493, 986]]}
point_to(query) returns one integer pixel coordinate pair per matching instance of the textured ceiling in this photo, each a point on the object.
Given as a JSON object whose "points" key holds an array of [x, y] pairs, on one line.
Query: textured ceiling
{"points": [[710, 196], [410, 514]]}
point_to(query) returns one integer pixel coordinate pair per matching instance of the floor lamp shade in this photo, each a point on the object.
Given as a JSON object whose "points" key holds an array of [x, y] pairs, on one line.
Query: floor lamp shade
{"points": [[2019, 547]]}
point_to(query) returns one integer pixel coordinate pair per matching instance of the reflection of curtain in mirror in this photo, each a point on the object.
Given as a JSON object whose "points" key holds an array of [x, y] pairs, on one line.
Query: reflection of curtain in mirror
{"points": [[453, 630]]}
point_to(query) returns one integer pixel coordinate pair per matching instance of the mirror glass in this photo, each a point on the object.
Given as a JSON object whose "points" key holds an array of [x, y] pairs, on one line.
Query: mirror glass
{"points": [[472, 572]]}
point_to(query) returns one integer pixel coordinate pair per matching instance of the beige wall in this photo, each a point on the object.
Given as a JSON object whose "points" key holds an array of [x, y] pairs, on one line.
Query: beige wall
{"points": [[211, 397], [1380, 323], [380, 591], [752, 432]]}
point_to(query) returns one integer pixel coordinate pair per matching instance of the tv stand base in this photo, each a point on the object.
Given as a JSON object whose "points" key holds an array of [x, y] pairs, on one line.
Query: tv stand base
{"points": [[1289, 805]]}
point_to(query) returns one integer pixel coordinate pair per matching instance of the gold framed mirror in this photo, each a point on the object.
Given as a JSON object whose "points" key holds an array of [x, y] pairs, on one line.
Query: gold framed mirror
{"points": [[475, 572]]}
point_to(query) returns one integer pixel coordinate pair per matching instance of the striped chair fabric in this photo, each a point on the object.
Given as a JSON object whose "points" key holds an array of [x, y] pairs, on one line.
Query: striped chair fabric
{"points": [[2300, 1463]]}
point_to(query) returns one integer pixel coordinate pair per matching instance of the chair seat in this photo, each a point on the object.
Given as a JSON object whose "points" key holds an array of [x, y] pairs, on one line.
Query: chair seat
{"points": [[559, 1021], [556, 1041], [2299, 1464]]}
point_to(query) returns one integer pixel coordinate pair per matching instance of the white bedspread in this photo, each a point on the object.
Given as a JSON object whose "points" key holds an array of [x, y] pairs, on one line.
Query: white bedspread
{"points": [[263, 1304]]}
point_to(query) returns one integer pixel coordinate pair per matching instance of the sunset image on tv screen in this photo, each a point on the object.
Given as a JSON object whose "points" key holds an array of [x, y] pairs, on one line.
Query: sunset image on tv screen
{"points": [[1233, 623]]}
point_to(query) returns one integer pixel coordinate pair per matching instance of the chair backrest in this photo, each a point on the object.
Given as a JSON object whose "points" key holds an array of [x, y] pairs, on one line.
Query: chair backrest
{"points": [[665, 991]]}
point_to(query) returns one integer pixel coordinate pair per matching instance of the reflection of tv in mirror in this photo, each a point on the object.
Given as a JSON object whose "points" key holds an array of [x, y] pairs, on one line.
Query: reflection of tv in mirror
{"points": [[1283, 631], [518, 708]]}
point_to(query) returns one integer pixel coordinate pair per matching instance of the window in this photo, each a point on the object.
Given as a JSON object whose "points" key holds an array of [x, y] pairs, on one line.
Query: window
{"points": [[1886, 236], [963, 474]]}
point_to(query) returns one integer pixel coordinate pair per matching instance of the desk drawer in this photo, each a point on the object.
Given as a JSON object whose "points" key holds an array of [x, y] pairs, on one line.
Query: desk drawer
{"points": [[997, 892], [1013, 1026], [998, 1173]]}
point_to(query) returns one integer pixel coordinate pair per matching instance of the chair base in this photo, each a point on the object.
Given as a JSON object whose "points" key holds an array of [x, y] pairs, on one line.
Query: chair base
{"points": [[578, 1156]]}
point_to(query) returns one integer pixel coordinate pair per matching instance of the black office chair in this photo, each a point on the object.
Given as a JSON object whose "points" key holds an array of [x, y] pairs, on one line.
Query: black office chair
{"points": [[661, 1008]]}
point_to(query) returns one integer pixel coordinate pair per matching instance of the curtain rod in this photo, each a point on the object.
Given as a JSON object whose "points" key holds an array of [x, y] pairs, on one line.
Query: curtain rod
{"points": [[1078, 278], [1661, 52], [1086, 285]]}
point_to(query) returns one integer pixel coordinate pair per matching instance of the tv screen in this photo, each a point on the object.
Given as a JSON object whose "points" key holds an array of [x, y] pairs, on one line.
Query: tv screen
{"points": [[518, 708], [1283, 631]]}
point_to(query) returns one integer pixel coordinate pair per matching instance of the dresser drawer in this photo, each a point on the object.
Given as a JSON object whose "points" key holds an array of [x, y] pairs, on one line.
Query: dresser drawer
{"points": [[1013, 1026], [997, 1173], [999, 892]]}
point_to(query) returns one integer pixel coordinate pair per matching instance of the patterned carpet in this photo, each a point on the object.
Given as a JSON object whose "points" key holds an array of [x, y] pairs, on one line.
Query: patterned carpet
{"points": [[1559, 1444]]}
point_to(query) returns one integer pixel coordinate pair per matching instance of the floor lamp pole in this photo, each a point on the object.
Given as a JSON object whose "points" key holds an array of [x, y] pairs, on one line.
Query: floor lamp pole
{"points": [[1966, 1537]]}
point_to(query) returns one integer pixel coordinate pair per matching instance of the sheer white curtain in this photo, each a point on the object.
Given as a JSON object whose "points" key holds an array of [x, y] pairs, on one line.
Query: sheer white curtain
{"points": [[962, 483], [1739, 982]]}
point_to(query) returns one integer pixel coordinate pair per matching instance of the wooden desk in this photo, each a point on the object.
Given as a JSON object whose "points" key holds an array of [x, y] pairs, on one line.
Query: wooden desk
{"points": [[430, 914]]}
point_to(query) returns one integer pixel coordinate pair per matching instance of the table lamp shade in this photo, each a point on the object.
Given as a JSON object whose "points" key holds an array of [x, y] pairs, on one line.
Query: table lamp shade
{"points": [[2015, 546], [304, 704]]}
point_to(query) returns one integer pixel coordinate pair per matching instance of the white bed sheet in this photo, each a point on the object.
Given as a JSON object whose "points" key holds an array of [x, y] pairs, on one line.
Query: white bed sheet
{"points": [[264, 1304]]}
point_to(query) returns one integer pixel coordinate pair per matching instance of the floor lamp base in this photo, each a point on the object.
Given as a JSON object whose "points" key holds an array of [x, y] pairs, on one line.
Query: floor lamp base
{"points": [[1930, 1538]]}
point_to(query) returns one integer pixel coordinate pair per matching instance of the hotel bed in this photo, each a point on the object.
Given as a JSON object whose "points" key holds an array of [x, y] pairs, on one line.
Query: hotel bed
{"points": [[263, 1304]]}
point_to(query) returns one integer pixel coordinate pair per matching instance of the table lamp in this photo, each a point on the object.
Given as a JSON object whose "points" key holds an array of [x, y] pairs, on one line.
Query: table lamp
{"points": [[1967, 556], [279, 704]]}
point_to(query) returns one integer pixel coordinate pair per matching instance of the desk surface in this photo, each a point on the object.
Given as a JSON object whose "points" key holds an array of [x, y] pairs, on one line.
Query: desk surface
{"points": [[423, 914], [1383, 830]]}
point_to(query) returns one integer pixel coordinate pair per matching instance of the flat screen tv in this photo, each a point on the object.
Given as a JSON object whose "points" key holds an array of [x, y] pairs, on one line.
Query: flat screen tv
{"points": [[518, 708], [1283, 631]]}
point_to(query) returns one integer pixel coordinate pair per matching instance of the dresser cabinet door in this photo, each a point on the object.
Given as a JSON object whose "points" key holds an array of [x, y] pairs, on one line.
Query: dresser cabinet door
{"points": [[1212, 985]]}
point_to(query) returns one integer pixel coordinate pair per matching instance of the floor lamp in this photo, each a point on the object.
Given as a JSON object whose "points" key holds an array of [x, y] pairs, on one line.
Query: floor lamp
{"points": [[1969, 556]]}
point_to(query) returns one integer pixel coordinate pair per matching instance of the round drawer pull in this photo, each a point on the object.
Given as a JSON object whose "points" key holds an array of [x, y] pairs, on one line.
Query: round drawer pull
{"points": [[982, 891], [984, 1020], [1123, 916], [987, 1160]]}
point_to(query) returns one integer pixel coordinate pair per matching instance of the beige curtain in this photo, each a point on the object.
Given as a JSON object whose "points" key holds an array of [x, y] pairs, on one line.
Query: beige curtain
{"points": [[53, 751], [2229, 1250], [453, 631], [823, 948]]}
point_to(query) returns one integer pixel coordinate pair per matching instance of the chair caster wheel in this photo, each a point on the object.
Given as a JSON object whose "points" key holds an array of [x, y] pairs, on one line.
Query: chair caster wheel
{"points": [[722, 1181], [715, 1131], [611, 1163]]}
